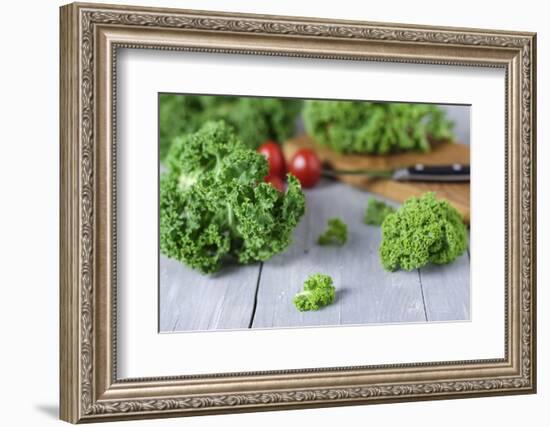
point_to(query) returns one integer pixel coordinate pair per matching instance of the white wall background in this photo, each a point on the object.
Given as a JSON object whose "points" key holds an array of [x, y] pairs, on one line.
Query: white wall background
{"points": [[460, 115], [29, 170]]}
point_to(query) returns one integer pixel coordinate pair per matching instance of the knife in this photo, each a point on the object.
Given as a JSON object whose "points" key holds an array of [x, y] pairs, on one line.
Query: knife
{"points": [[419, 173]]}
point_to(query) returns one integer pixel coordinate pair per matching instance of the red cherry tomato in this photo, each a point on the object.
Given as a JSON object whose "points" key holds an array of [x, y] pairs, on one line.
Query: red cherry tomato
{"points": [[306, 166], [275, 159], [276, 182]]}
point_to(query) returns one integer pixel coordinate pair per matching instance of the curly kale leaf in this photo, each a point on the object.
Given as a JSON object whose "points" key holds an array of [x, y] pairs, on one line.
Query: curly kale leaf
{"points": [[377, 211], [254, 120], [215, 207], [318, 292], [375, 127], [177, 115], [259, 119], [335, 234], [423, 230]]}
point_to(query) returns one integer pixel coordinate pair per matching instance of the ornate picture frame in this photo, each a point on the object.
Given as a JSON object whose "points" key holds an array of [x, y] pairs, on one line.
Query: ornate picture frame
{"points": [[90, 37]]}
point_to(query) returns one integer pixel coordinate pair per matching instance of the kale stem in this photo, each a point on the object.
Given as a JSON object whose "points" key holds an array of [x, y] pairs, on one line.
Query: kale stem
{"points": [[230, 217]]}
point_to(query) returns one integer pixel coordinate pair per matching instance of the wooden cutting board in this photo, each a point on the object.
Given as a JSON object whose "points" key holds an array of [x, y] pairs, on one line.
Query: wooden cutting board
{"points": [[458, 194]]}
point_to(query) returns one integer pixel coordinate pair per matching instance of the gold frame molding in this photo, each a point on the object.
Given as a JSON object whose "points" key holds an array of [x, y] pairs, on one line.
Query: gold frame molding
{"points": [[90, 37]]}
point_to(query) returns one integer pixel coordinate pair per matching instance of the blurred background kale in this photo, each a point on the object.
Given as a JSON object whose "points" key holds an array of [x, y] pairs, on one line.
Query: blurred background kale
{"points": [[255, 120], [345, 126]]}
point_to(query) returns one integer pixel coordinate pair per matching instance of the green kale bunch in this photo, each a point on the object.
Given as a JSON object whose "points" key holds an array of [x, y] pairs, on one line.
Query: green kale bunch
{"points": [[254, 120], [177, 115], [215, 207], [376, 212], [318, 292], [421, 231], [375, 127], [335, 234]]}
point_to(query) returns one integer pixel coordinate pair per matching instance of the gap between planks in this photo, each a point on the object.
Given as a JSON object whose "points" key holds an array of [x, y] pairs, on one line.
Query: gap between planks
{"points": [[260, 295], [256, 296]]}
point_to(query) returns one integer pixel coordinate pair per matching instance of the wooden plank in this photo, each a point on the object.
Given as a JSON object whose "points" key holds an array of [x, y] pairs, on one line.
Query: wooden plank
{"points": [[447, 290], [458, 194], [378, 296], [283, 276], [190, 301], [365, 293]]}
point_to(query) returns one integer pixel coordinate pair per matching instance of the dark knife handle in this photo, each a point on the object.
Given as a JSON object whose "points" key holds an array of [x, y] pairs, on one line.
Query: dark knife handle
{"points": [[439, 173]]}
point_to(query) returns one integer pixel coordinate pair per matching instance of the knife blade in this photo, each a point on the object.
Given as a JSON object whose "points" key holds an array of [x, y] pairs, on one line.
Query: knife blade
{"points": [[440, 173], [419, 173]]}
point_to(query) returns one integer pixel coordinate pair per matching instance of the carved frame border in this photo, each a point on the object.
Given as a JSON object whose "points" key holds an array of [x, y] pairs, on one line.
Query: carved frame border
{"points": [[89, 387]]}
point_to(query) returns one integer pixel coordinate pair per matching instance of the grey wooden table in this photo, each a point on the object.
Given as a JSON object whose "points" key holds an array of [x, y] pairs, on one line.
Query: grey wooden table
{"points": [[260, 295]]}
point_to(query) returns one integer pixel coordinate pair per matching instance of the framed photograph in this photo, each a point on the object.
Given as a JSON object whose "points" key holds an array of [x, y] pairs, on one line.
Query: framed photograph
{"points": [[266, 212]]}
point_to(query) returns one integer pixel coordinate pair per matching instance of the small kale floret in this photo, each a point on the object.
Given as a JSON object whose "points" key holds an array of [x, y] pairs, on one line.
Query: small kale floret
{"points": [[375, 127], [423, 230], [318, 292], [335, 234], [215, 207], [376, 211]]}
